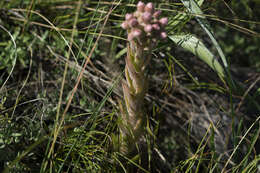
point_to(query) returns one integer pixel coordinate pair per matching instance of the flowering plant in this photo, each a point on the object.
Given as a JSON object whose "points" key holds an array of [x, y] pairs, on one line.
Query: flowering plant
{"points": [[144, 28]]}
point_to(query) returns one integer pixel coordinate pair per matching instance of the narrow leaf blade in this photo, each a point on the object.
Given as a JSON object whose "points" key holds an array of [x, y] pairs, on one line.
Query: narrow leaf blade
{"points": [[195, 46]]}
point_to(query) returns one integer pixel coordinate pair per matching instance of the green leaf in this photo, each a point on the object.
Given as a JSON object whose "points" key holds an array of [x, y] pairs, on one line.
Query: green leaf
{"points": [[16, 134], [182, 18], [194, 45], [194, 9], [121, 53]]}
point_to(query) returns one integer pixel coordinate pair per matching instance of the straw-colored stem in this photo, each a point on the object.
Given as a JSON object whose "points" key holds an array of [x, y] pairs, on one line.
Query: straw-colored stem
{"points": [[134, 89], [144, 29]]}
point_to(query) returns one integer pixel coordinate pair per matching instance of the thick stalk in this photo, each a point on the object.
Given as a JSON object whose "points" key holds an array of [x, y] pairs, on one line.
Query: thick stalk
{"points": [[144, 29]]}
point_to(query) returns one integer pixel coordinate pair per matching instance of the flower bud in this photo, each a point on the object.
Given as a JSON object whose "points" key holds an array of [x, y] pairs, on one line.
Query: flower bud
{"points": [[163, 35], [163, 21], [157, 14], [148, 28], [154, 40], [128, 16], [140, 6], [136, 32], [149, 7], [125, 25], [130, 36], [137, 14], [147, 17], [156, 27], [133, 22]]}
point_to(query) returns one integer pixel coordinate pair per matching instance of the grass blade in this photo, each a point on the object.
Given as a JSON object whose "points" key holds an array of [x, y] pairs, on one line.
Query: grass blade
{"points": [[195, 46], [193, 8]]}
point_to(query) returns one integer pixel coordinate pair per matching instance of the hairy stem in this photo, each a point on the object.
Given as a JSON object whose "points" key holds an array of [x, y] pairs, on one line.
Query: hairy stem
{"points": [[144, 29]]}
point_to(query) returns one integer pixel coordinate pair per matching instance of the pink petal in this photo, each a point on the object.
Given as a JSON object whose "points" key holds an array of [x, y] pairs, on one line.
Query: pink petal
{"points": [[128, 16], [124, 25], [149, 7], [147, 17], [156, 27], [136, 32], [148, 28], [140, 6], [163, 21], [157, 14], [163, 35], [133, 22]]}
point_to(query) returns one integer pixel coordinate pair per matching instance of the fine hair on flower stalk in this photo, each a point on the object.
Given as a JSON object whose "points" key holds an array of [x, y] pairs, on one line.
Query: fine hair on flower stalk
{"points": [[144, 29]]}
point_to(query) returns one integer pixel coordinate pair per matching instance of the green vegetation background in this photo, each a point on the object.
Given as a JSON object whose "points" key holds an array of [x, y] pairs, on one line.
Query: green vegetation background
{"points": [[44, 44]]}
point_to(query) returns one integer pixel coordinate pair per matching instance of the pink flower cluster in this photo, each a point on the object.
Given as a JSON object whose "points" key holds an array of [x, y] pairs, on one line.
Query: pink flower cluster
{"points": [[145, 22]]}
